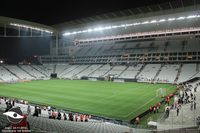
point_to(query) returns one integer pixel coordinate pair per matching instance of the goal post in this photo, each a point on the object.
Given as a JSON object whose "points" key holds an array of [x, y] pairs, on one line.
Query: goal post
{"points": [[161, 92]]}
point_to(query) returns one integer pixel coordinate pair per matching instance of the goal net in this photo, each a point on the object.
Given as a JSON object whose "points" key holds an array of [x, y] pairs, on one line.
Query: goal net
{"points": [[161, 92]]}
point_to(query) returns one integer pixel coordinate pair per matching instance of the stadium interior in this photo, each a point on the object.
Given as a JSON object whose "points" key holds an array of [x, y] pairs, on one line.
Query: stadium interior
{"points": [[155, 45]]}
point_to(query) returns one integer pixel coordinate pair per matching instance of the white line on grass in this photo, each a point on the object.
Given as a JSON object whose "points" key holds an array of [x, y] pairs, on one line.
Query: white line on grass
{"points": [[141, 106]]}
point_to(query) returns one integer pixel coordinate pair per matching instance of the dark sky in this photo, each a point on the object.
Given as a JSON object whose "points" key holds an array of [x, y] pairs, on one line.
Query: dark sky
{"points": [[57, 11], [52, 12]]}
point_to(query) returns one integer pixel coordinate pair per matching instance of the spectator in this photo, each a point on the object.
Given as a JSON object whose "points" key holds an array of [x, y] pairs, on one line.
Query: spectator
{"points": [[36, 113], [191, 106], [70, 116], [150, 109], [13, 102], [86, 118], [53, 115], [157, 108], [81, 117], [159, 104], [28, 110], [154, 109], [64, 116], [195, 89], [167, 112], [49, 113], [137, 120], [177, 110], [195, 105], [59, 116], [7, 107], [76, 117]]}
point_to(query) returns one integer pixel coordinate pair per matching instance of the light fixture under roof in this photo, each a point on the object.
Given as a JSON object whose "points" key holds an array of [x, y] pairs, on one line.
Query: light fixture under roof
{"points": [[132, 24], [31, 27]]}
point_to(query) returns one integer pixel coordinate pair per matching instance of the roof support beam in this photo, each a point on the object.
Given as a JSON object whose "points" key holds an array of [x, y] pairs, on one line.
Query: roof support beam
{"points": [[139, 10], [122, 13], [170, 5], [159, 7], [131, 12], [149, 8], [182, 3]]}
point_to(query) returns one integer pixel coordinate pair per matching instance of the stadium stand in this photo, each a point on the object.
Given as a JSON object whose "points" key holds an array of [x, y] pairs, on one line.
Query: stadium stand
{"points": [[116, 71], [32, 71], [101, 71], [19, 72], [187, 72], [131, 71], [160, 47], [148, 73], [43, 124], [187, 116], [167, 74], [88, 71], [6, 75]]}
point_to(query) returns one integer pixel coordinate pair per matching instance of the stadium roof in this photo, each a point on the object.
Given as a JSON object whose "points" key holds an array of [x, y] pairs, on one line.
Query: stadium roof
{"points": [[132, 12], [22, 23]]}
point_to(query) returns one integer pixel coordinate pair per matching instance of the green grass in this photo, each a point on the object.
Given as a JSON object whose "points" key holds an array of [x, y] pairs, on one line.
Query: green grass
{"points": [[121, 101]]}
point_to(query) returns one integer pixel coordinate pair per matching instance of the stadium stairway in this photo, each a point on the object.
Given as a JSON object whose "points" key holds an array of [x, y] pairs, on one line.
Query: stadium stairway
{"points": [[27, 72], [11, 72], [69, 69], [54, 69], [186, 117], [37, 68], [82, 70], [178, 74], [143, 66], [158, 72], [123, 71]]}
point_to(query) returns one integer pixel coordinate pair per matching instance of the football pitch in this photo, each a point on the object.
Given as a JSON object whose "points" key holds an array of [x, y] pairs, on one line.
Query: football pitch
{"points": [[121, 101]]}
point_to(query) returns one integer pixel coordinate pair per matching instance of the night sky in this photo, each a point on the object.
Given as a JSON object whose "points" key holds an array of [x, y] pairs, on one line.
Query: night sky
{"points": [[57, 11], [53, 12]]}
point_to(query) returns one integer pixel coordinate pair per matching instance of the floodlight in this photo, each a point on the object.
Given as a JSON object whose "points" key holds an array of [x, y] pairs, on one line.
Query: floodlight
{"points": [[180, 18], [162, 20], [122, 25], [153, 21], [89, 30], [108, 27], [171, 19], [136, 23], [146, 22], [191, 16], [66, 34]]}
